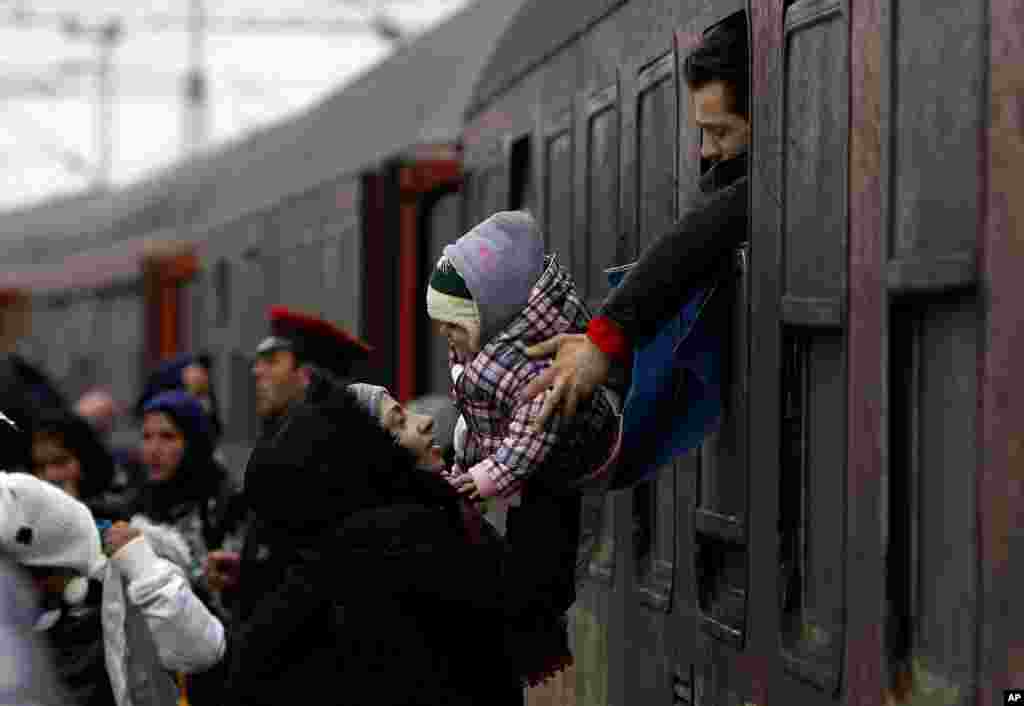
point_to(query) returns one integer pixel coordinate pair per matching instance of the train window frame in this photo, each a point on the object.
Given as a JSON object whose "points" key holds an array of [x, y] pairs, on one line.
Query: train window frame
{"points": [[721, 605], [653, 531], [603, 101], [555, 128], [521, 174]]}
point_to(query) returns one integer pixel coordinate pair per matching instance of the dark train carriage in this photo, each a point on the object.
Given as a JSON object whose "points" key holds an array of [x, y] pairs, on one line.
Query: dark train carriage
{"points": [[102, 317], [841, 538], [326, 212]]}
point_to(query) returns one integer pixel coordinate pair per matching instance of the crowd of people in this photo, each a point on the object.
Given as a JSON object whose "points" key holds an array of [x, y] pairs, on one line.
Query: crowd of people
{"points": [[363, 560]]}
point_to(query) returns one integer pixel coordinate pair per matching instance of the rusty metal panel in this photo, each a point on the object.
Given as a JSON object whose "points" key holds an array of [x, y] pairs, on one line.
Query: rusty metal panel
{"points": [[862, 666], [939, 77], [1001, 473], [814, 201]]}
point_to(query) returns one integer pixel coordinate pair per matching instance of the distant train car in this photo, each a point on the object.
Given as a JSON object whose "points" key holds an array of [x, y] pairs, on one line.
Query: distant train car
{"points": [[336, 212], [841, 538]]}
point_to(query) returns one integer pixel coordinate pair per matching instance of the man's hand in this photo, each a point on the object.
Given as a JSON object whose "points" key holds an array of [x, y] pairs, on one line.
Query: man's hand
{"points": [[223, 570], [118, 535], [578, 368]]}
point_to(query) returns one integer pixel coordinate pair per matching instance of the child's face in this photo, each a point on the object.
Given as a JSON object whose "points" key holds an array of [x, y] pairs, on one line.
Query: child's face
{"points": [[459, 338]]}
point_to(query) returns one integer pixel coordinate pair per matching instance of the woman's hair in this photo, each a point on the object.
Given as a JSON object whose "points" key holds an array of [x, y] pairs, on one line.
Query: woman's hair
{"points": [[723, 55], [78, 437]]}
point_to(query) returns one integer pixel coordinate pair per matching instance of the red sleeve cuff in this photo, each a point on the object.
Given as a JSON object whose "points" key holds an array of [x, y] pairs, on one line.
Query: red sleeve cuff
{"points": [[609, 337]]}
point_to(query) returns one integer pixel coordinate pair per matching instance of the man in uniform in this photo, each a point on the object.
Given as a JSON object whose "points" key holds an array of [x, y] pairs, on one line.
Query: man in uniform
{"points": [[301, 479]]}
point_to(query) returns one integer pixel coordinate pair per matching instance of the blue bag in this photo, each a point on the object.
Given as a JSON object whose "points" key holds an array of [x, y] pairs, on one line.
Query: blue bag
{"points": [[674, 398]]}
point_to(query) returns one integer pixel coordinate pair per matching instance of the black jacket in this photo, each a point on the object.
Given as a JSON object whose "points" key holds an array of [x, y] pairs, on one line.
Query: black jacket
{"points": [[312, 606], [686, 256]]}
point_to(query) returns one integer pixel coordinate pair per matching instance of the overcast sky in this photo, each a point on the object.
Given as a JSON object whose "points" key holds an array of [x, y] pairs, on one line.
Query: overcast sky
{"points": [[48, 141]]}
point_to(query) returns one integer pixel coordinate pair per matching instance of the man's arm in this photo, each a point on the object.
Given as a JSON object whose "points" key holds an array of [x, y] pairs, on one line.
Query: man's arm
{"points": [[653, 291], [669, 270]]}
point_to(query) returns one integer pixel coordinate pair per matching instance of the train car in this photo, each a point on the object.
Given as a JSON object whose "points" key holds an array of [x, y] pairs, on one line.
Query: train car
{"points": [[330, 212], [846, 535]]}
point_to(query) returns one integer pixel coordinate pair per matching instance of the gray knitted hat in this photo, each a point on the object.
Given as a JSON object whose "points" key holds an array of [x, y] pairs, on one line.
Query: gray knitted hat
{"points": [[370, 397]]}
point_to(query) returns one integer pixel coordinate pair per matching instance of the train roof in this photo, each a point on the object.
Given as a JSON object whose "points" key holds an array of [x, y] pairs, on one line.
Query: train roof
{"points": [[540, 29], [416, 96]]}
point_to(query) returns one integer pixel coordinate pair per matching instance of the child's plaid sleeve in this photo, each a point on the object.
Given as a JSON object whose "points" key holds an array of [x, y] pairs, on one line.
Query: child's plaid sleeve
{"points": [[524, 448]]}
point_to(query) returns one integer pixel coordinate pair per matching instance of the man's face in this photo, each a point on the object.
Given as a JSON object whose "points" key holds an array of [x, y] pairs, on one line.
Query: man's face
{"points": [[414, 432], [279, 382], [196, 380], [725, 134]]}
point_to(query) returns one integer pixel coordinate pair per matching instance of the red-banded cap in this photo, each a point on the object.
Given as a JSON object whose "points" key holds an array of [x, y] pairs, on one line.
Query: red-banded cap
{"points": [[313, 339]]}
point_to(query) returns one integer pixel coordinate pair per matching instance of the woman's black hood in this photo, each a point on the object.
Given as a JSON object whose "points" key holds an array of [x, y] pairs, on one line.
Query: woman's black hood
{"points": [[79, 437], [199, 476]]}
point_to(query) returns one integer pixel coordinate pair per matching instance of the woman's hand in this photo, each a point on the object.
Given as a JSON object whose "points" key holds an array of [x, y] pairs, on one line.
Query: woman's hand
{"points": [[223, 570], [118, 535], [466, 486]]}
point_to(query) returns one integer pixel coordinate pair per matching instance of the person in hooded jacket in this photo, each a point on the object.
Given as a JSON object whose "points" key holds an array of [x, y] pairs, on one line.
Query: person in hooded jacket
{"points": [[351, 565], [493, 293], [67, 451], [118, 627], [186, 486], [191, 373]]}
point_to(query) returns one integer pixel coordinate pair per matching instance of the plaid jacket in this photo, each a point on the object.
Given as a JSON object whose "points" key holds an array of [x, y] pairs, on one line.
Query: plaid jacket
{"points": [[499, 440]]}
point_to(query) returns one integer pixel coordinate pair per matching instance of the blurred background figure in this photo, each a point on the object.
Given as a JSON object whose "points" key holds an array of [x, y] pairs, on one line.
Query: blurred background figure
{"points": [[98, 407], [189, 372], [25, 391], [69, 453]]}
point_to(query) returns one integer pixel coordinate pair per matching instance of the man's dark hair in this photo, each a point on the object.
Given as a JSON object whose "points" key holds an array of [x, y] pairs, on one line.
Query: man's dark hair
{"points": [[723, 55]]}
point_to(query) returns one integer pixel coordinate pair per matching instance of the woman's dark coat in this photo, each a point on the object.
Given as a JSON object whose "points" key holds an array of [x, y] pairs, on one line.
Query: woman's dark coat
{"points": [[356, 578]]}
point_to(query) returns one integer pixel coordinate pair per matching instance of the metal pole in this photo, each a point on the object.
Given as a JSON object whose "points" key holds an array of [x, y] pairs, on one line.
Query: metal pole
{"points": [[109, 35], [195, 82]]}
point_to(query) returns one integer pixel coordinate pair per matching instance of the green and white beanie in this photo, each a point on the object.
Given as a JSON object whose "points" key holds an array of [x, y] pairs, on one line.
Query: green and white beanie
{"points": [[449, 299]]}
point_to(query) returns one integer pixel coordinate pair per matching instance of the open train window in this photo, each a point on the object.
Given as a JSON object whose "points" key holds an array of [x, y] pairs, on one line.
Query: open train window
{"points": [[520, 175], [720, 516], [738, 25]]}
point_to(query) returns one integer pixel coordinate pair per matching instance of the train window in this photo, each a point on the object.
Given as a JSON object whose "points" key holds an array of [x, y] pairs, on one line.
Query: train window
{"points": [[222, 292], [559, 190], [605, 245], [653, 533], [520, 176], [931, 630], [656, 136], [811, 498]]}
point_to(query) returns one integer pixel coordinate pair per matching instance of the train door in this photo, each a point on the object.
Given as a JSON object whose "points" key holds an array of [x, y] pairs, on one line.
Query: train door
{"points": [[647, 522], [799, 349], [598, 245]]}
